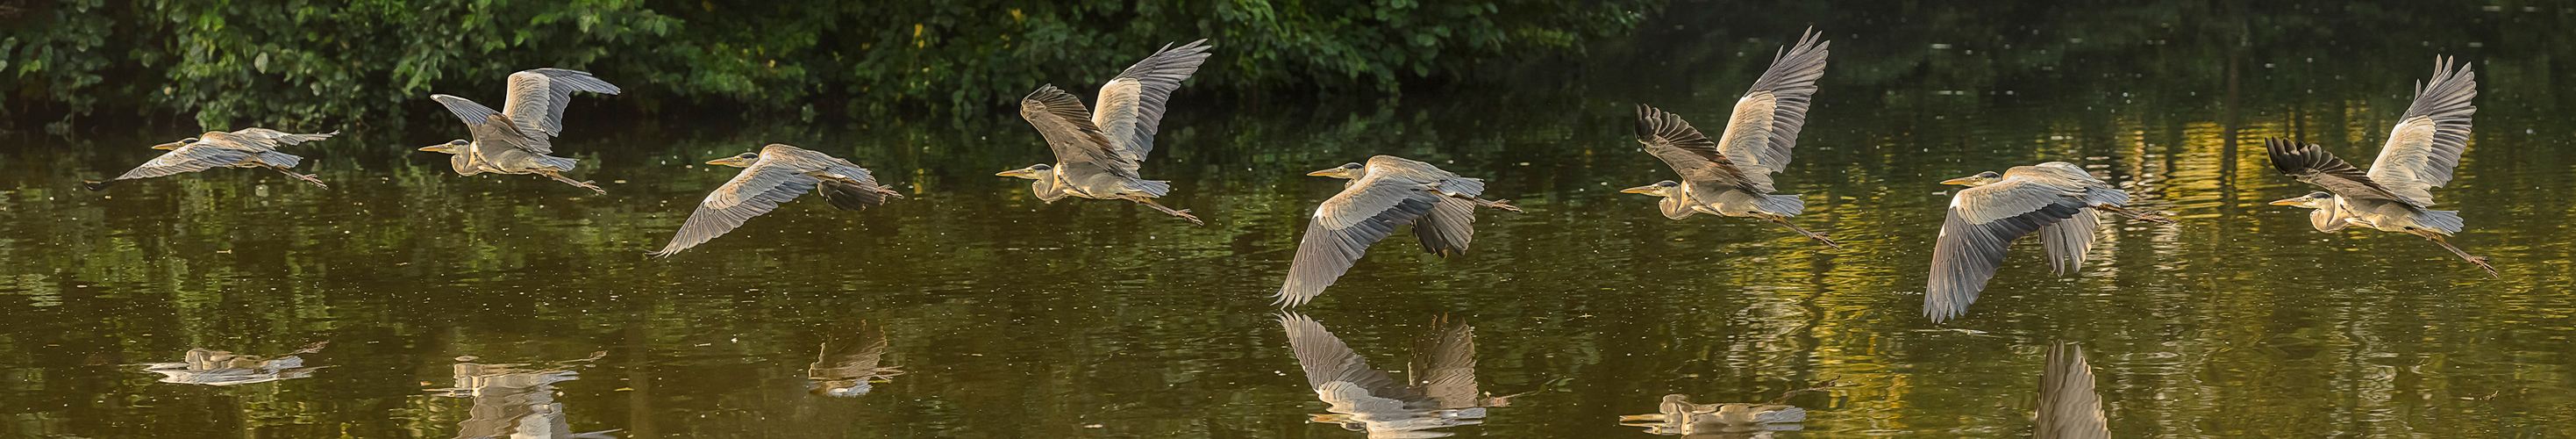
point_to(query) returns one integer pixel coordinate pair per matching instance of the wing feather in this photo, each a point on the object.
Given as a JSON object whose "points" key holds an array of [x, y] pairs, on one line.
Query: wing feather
{"points": [[1690, 153], [2068, 241], [1326, 359], [189, 158], [1344, 227], [757, 190], [274, 138], [1983, 222], [2068, 406], [1067, 126], [2312, 164], [1131, 105], [1443, 366], [537, 98], [1448, 228], [2430, 137], [1767, 119]]}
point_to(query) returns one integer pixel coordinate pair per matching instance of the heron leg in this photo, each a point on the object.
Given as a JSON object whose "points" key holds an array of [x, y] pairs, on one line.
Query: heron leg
{"points": [[1183, 213], [1497, 204], [2464, 254], [2132, 214], [1784, 222], [291, 173], [549, 173]]}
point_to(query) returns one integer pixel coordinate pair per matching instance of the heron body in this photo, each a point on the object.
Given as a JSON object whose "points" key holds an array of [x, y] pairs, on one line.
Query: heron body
{"points": [[1731, 176], [2055, 200], [1098, 153], [2395, 195], [1386, 193], [518, 139], [247, 148], [777, 174]]}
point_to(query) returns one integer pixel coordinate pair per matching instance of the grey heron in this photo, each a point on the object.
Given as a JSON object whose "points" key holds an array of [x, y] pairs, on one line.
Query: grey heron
{"points": [[2054, 199], [219, 368], [517, 140], [1439, 389], [848, 367], [1097, 153], [247, 148], [778, 174], [2068, 406], [2396, 194], [1731, 176], [1387, 192], [1676, 415]]}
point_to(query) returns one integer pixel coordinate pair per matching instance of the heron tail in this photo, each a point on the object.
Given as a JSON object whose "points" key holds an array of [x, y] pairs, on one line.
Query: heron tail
{"points": [[559, 163], [853, 195], [2447, 221], [1154, 188], [1783, 205]]}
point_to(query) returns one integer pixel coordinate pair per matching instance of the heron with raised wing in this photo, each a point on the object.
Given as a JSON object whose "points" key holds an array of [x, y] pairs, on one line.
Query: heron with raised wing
{"points": [[1386, 193], [1731, 176], [1097, 153], [2396, 194], [516, 140], [247, 148], [777, 174], [2054, 199]]}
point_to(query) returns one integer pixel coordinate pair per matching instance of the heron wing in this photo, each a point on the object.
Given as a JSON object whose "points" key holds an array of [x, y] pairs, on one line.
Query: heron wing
{"points": [[2429, 138], [757, 190], [189, 158], [1448, 228], [1443, 366], [1690, 153], [1327, 360], [538, 97], [498, 129], [1079, 145], [1131, 105], [275, 138], [1767, 119], [2068, 406], [2068, 241], [1344, 226], [2312, 164], [1983, 222]]}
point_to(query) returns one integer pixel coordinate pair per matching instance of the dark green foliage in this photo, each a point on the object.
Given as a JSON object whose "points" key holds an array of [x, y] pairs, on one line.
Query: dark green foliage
{"points": [[369, 60]]}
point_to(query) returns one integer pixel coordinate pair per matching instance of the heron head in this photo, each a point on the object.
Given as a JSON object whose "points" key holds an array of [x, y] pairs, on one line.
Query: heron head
{"points": [[1033, 172], [176, 145], [451, 147], [1661, 189], [744, 160], [2313, 200], [1981, 179], [1347, 171]]}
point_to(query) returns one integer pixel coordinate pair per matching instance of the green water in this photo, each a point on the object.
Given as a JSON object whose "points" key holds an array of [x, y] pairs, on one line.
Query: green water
{"points": [[1007, 317]]}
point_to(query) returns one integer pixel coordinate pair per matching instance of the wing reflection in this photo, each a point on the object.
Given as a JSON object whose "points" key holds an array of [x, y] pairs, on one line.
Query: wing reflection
{"points": [[1441, 391], [2068, 408], [846, 366], [1676, 415], [220, 368], [514, 401]]}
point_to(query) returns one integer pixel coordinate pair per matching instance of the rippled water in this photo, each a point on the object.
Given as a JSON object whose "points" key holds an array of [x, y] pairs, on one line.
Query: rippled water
{"points": [[463, 306]]}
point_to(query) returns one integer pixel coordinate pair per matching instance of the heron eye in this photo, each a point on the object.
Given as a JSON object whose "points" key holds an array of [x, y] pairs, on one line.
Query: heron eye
{"points": [[456, 142], [188, 140], [1041, 167], [747, 155], [1352, 166]]}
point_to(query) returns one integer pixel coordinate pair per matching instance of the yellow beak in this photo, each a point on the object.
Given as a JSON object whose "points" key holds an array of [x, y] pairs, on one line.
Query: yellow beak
{"points": [[171, 145], [721, 161], [1012, 173], [1325, 173], [1638, 190], [1962, 181], [2290, 202]]}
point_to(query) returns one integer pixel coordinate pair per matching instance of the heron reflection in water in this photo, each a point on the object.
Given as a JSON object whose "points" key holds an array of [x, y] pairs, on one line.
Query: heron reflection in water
{"points": [[2397, 193], [1676, 415], [1731, 176], [848, 367], [517, 139], [1097, 154], [2055, 200], [1439, 389], [248, 148], [515, 401], [2068, 408], [1386, 193], [219, 368]]}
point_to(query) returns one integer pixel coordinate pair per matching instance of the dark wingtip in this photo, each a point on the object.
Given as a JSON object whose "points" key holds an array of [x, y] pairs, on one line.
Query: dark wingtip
{"points": [[95, 186]]}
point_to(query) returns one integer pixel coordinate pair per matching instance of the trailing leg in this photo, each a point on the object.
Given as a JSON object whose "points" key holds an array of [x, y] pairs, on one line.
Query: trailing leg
{"points": [[1183, 213], [584, 184], [1784, 222], [2455, 250], [291, 173], [1497, 204]]}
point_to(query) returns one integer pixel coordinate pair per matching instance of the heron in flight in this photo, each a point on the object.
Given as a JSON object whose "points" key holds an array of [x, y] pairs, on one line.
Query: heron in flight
{"points": [[1387, 192], [1438, 389], [1097, 154], [517, 139], [1732, 176], [2054, 199], [248, 148], [2068, 407], [778, 174], [2396, 194]]}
